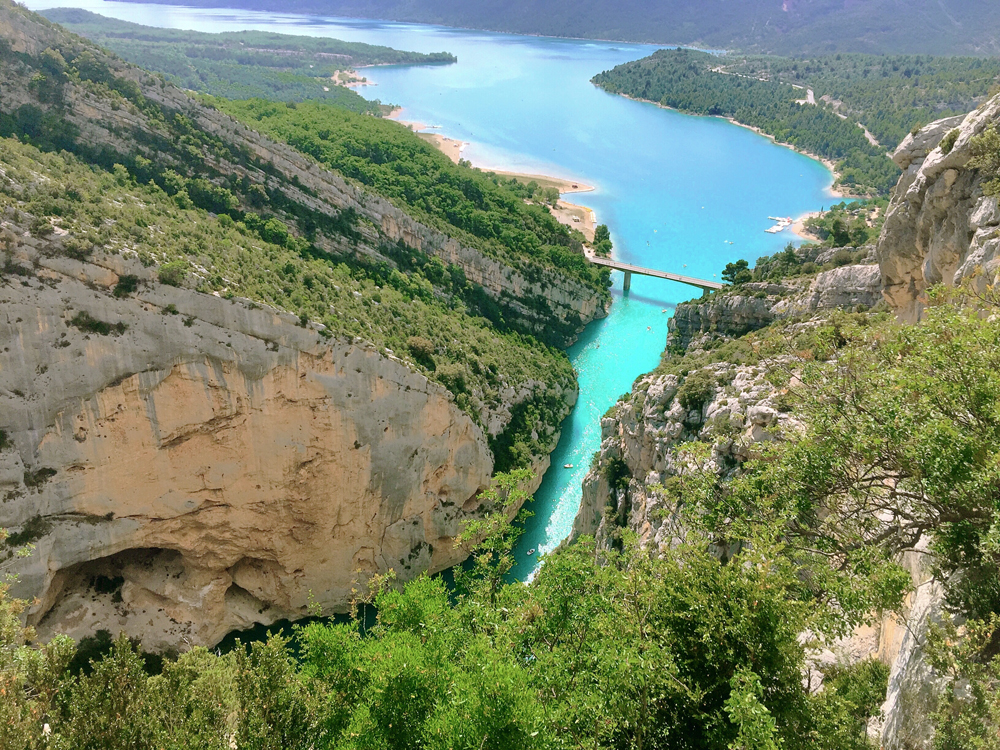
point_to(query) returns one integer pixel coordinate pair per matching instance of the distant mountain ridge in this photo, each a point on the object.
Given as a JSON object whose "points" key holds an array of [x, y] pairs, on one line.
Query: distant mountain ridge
{"points": [[942, 27]]}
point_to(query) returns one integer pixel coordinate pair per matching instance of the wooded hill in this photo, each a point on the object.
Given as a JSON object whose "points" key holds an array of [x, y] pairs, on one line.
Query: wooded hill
{"points": [[890, 96]]}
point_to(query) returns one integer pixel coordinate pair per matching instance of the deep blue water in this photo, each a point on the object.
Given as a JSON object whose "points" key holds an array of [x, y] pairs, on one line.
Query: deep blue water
{"points": [[675, 190]]}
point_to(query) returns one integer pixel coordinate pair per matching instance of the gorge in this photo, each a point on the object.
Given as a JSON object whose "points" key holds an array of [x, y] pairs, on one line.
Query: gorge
{"points": [[266, 361]]}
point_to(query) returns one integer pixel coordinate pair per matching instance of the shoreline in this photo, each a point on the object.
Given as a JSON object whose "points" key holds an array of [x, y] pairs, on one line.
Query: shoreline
{"points": [[798, 227], [830, 165], [572, 215]]}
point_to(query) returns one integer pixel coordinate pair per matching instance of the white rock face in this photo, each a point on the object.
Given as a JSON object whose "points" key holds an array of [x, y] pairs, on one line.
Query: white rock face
{"points": [[210, 469], [940, 228]]}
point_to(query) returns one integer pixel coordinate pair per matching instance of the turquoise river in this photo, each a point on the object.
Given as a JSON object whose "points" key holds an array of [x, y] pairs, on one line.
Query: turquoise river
{"points": [[680, 193]]}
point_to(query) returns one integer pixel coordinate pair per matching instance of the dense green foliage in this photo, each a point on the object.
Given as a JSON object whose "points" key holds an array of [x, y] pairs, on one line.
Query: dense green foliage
{"points": [[386, 306], [850, 224], [789, 263], [395, 163], [686, 80], [986, 158], [944, 27], [612, 651], [889, 95], [242, 64]]}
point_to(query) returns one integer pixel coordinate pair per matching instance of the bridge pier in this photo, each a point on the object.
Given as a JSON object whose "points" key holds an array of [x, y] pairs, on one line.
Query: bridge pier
{"points": [[628, 281]]}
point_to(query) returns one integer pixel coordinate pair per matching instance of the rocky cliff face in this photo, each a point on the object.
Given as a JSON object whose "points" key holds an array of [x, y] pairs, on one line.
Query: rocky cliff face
{"points": [[186, 465], [641, 434], [940, 228], [756, 305]]}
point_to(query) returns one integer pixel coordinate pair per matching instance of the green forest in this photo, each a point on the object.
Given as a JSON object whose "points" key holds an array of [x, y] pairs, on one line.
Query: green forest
{"points": [[242, 64], [889, 94], [686, 80]]}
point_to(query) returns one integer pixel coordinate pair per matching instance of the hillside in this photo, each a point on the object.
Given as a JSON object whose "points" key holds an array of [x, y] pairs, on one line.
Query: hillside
{"points": [[939, 27], [244, 64], [208, 333]]}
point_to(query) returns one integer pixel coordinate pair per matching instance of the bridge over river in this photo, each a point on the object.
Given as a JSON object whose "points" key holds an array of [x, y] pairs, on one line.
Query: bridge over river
{"points": [[629, 269]]}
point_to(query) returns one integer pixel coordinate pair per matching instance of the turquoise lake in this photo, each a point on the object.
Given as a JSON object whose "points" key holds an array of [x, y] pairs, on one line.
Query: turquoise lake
{"points": [[680, 193]]}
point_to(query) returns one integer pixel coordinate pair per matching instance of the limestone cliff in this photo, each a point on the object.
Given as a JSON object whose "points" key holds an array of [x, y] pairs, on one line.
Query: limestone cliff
{"points": [[939, 228], [193, 465], [755, 305]]}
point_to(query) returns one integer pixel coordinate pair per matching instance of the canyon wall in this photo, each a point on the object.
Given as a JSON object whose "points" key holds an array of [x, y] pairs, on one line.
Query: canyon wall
{"points": [[206, 464], [538, 298]]}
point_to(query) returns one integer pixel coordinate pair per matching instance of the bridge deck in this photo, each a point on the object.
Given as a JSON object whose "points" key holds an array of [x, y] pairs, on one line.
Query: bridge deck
{"points": [[630, 269]]}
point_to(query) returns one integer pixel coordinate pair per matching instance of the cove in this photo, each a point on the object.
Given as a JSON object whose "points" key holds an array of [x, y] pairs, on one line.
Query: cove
{"points": [[680, 193]]}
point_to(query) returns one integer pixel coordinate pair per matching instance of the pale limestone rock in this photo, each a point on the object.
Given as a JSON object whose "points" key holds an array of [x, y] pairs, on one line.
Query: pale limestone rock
{"points": [[940, 228], [216, 467]]}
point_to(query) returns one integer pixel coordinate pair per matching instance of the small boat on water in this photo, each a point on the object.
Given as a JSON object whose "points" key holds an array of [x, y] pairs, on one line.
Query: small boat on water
{"points": [[531, 552], [567, 466]]}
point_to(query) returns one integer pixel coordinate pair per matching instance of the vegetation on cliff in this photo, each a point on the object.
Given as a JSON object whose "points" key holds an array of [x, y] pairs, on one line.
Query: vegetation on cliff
{"points": [[242, 64], [393, 161], [92, 210], [614, 651]]}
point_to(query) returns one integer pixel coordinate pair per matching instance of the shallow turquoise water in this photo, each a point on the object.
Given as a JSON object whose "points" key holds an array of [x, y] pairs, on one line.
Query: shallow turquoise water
{"points": [[675, 190]]}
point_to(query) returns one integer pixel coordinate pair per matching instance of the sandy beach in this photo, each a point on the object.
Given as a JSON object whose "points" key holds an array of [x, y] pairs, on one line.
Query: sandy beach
{"points": [[349, 79], [451, 147], [570, 214], [798, 228]]}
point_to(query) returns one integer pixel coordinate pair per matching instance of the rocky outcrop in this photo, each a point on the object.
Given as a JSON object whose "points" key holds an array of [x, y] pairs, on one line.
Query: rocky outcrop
{"points": [[914, 686], [640, 438], [750, 307], [185, 465], [940, 228]]}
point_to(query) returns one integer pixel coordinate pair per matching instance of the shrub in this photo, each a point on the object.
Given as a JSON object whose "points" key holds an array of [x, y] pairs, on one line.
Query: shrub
{"points": [[34, 528], [422, 350], [172, 273], [697, 388], [948, 142], [453, 377], [89, 324], [126, 285]]}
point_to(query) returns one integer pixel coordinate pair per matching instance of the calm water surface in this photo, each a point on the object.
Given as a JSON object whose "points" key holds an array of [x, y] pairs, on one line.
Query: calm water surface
{"points": [[680, 193]]}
